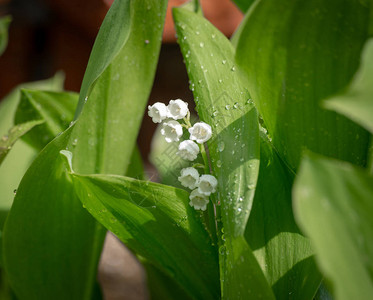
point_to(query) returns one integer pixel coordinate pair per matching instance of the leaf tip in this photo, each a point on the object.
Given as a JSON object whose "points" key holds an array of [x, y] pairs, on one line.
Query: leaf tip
{"points": [[67, 157]]}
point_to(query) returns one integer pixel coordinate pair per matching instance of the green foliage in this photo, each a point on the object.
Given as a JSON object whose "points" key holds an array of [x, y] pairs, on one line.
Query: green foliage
{"points": [[296, 60], [333, 205], [102, 140], [55, 108], [7, 141], [4, 24], [356, 103], [284, 254], [141, 214], [18, 160], [263, 93], [222, 101]]}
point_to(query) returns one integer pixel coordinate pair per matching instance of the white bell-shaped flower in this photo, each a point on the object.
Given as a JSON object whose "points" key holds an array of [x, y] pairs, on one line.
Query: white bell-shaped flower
{"points": [[177, 109], [198, 200], [200, 132], [189, 177], [207, 184], [172, 131], [188, 150], [158, 112]]}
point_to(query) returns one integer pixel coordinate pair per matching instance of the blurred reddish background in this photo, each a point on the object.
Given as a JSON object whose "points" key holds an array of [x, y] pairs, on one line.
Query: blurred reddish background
{"points": [[51, 35]]}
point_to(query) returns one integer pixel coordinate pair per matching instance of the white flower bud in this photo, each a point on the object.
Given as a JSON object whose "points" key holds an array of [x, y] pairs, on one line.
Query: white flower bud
{"points": [[200, 132], [207, 184], [177, 109], [188, 150], [198, 200], [158, 112], [189, 177], [172, 131]]}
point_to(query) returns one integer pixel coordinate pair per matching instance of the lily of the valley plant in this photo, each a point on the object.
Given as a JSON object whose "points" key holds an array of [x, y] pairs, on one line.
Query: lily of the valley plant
{"points": [[268, 194]]}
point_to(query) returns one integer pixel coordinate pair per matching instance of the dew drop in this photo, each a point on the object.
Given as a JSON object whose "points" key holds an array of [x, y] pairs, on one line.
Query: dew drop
{"points": [[213, 35], [233, 69], [227, 107], [15, 191], [147, 41], [218, 163], [201, 45], [197, 32], [236, 105], [75, 142], [239, 210], [221, 146], [220, 80], [224, 61]]}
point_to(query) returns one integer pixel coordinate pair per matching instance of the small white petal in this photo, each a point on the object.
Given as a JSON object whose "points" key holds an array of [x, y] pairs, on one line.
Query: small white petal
{"points": [[177, 109], [200, 132], [207, 184], [172, 130], [189, 177], [188, 150], [158, 112], [198, 200]]}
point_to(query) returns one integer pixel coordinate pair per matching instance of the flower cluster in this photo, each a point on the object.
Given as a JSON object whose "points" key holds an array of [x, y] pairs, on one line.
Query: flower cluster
{"points": [[201, 186]]}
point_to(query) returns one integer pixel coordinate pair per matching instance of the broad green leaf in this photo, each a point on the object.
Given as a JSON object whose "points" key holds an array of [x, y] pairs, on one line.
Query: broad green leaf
{"points": [[19, 159], [223, 102], [297, 59], [148, 218], [333, 206], [16, 132], [4, 24], [55, 108], [119, 97], [283, 253], [243, 5], [41, 257], [109, 42], [102, 140], [357, 102]]}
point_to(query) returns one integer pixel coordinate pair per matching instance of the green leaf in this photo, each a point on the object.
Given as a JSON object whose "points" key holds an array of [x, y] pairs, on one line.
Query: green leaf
{"points": [[333, 206], [7, 141], [55, 108], [223, 102], [296, 60], [45, 256], [357, 103], [120, 94], [243, 5], [148, 217], [102, 140], [19, 159], [283, 253], [4, 25]]}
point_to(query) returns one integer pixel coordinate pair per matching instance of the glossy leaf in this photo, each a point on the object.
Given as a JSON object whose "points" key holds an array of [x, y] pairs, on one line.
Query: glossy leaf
{"points": [[148, 217], [52, 247], [16, 132], [55, 108], [19, 159], [110, 40], [223, 102], [102, 140], [296, 60], [243, 5], [283, 252], [333, 206], [4, 24], [357, 102]]}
